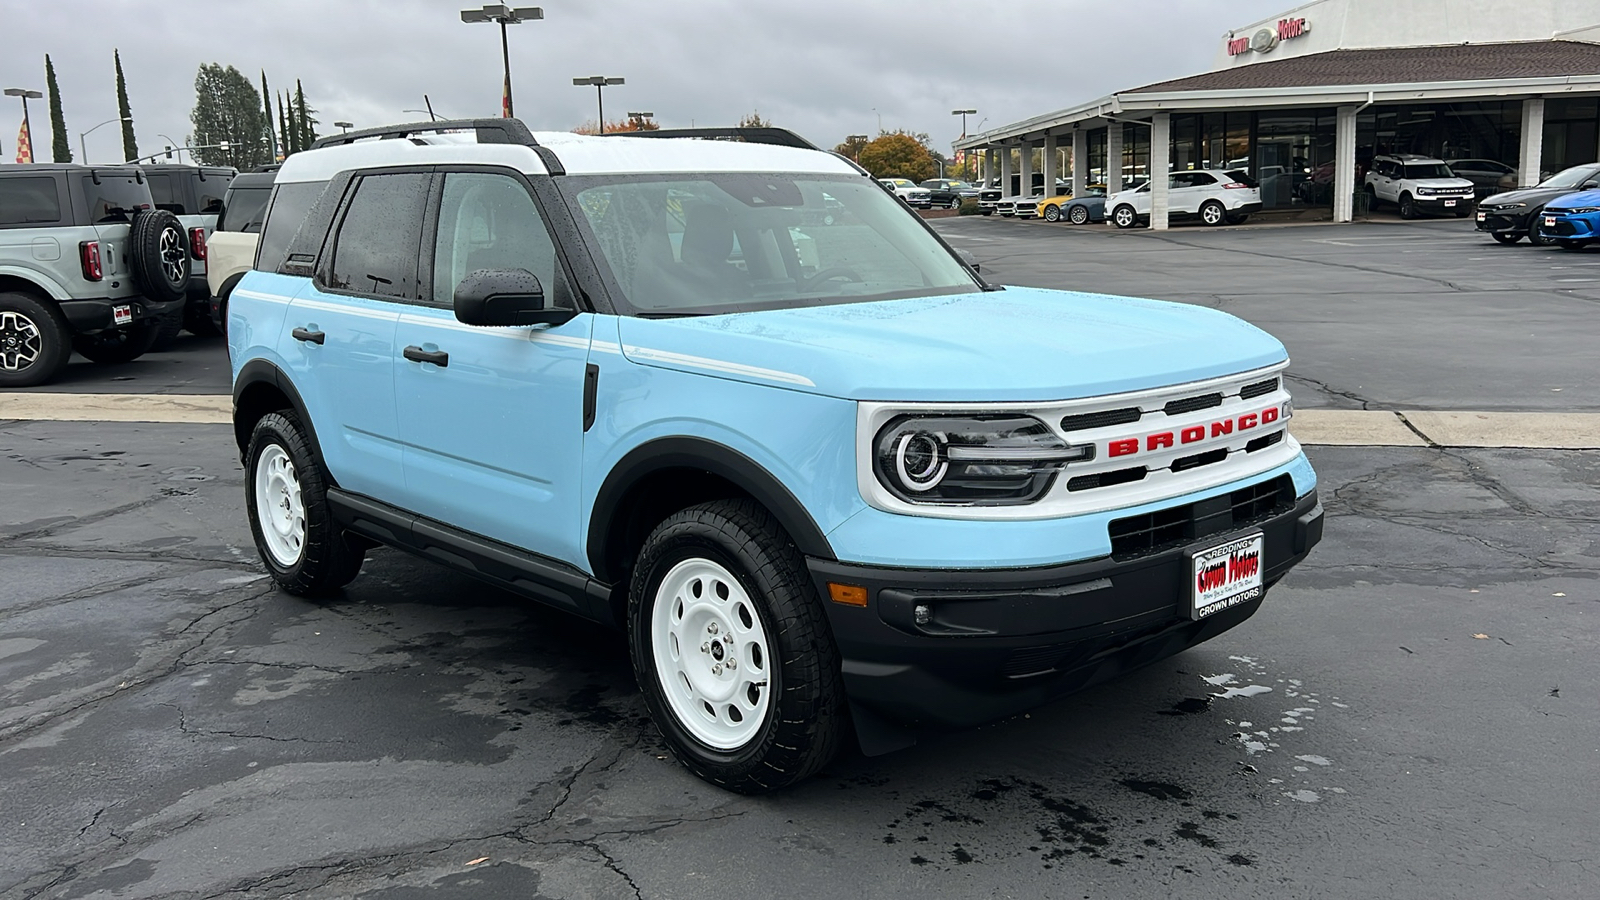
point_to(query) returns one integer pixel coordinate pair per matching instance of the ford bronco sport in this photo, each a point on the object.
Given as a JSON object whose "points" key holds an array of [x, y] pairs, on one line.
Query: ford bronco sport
{"points": [[194, 194], [86, 264], [735, 400]]}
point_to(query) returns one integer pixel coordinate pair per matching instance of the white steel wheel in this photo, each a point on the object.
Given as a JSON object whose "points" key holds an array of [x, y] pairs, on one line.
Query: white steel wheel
{"points": [[711, 654], [280, 511]]}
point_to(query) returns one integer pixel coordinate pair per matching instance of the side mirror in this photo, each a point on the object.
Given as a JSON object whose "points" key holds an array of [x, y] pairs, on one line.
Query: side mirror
{"points": [[505, 297], [969, 259], [1591, 185]]}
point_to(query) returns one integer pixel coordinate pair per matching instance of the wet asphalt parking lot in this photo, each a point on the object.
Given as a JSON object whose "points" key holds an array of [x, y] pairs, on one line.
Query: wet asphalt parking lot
{"points": [[1415, 711]]}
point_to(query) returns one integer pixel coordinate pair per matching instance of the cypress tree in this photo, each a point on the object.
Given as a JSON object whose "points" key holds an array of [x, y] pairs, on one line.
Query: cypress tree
{"points": [[272, 135], [60, 147], [303, 117], [286, 126], [130, 144]]}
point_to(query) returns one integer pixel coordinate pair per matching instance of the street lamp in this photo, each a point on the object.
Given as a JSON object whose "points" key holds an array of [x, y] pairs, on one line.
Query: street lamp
{"points": [[344, 126], [84, 146], [504, 15], [963, 113], [600, 83], [26, 95]]}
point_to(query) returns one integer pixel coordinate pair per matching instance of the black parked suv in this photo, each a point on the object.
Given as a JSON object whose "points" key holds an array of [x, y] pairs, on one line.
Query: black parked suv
{"points": [[1513, 214], [194, 194], [87, 263]]}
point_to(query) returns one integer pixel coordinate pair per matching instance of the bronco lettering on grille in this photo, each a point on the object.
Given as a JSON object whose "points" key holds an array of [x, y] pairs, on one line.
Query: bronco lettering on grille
{"points": [[1194, 433]]}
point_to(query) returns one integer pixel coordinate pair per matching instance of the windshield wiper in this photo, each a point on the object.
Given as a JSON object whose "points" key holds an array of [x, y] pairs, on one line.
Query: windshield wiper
{"points": [[670, 315]]}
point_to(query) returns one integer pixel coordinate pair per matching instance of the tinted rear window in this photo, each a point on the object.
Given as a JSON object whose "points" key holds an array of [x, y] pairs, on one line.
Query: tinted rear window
{"points": [[290, 203], [1243, 178], [167, 194], [115, 199], [29, 201], [244, 209]]}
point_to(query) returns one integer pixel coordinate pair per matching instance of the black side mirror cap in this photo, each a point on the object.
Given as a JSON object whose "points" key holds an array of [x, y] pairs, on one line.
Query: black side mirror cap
{"points": [[505, 297]]}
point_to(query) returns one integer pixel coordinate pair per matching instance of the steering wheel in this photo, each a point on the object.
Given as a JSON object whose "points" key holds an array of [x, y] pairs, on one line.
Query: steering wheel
{"points": [[829, 274]]}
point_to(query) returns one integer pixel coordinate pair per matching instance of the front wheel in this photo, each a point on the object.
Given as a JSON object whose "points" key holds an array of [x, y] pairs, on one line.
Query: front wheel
{"points": [[1052, 213], [1534, 236], [302, 546], [1124, 217], [732, 649], [1078, 215], [1213, 213], [955, 202], [1506, 237], [1408, 207]]}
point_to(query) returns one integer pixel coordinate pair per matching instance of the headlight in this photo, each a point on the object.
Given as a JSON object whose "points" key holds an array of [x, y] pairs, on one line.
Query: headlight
{"points": [[1424, 192], [1582, 209], [998, 460]]}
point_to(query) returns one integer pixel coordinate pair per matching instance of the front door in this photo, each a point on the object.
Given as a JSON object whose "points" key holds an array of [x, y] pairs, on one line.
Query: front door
{"points": [[493, 429]]}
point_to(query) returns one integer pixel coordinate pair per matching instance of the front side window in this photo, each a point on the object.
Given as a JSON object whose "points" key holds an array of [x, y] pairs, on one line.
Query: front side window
{"points": [[489, 221], [29, 201], [376, 250], [112, 198], [290, 204], [718, 243]]}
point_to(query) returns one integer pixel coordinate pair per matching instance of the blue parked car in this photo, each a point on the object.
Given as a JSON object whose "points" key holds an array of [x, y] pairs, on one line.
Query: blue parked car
{"points": [[1572, 222], [735, 400]]}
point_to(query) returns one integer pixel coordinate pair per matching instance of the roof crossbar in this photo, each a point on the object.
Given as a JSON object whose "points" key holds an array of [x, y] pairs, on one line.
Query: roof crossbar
{"points": [[489, 131], [781, 137]]}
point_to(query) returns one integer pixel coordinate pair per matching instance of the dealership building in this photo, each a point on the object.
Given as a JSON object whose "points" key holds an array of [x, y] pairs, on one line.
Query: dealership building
{"points": [[1304, 100]]}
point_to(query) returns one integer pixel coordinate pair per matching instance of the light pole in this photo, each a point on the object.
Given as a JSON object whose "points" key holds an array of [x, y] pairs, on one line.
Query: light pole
{"points": [[26, 95], [963, 113], [880, 119], [600, 83], [504, 15], [344, 127], [84, 146], [855, 142], [637, 118]]}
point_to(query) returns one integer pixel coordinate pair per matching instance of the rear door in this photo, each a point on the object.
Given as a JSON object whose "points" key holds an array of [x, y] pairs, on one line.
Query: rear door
{"points": [[493, 429]]}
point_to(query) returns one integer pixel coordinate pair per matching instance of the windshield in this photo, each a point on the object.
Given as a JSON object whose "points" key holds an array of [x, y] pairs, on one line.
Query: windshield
{"points": [[721, 243], [1570, 178], [1428, 170]]}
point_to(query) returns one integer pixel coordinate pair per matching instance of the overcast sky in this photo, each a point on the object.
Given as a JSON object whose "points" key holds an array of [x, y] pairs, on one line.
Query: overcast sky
{"points": [[826, 68]]}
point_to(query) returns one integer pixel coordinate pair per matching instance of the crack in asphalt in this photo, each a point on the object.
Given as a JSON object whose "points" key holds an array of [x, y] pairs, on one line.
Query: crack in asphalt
{"points": [[183, 727], [1324, 387], [79, 521]]}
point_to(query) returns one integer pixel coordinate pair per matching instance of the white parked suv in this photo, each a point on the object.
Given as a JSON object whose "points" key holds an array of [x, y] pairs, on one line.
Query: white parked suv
{"points": [[1214, 196], [1417, 184]]}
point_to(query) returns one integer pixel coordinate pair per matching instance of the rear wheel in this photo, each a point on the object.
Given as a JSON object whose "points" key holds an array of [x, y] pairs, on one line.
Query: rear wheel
{"points": [[955, 202], [1506, 237], [1213, 213], [1534, 237], [118, 345], [1078, 215], [1052, 213], [34, 342], [732, 649], [286, 493], [1124, 217]]}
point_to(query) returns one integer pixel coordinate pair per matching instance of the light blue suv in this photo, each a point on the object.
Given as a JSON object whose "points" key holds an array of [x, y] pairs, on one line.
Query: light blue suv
{"points": [[735, 400]]}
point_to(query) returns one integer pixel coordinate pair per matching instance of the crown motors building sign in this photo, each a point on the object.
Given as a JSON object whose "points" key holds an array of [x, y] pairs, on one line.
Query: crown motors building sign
{"points": [[1267, 38]]}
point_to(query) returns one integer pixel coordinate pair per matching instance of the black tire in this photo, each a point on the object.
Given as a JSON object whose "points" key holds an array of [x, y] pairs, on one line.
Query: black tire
{"points": [[1213, 213], [805, 718], [1124, 217], [117, 345], [1534, 237], [159, 255], [955, 202], [1507, 237], [1372, 199], [1052, 213], [35, 343], [327, 560], [1078, 215], [1408, 207]]}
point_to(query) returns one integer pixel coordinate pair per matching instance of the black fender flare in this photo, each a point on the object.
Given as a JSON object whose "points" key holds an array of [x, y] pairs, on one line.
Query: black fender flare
{"points": [[260, 371], [707, 456]]}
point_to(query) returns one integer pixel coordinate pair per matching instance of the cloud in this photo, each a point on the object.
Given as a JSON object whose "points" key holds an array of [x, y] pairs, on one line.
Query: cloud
{"points": [[825, 68]]}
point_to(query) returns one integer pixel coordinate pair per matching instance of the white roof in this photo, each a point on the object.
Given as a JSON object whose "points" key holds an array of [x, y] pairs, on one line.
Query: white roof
{"points": [[579, 155]]}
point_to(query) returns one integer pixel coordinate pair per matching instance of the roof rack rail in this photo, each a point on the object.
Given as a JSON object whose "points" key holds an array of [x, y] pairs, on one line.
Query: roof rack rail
{"points": [[490, 131], [781, 137]]}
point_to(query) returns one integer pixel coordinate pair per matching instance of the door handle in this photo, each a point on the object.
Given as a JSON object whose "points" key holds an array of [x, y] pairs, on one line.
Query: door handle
{"points": [[417, 354], [311, 337]]}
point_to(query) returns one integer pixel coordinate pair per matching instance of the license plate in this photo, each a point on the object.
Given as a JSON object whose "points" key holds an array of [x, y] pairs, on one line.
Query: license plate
{"points": [[122, 315], [1482, 216], [1550, 221], [1226, 575], [1449, 203]]}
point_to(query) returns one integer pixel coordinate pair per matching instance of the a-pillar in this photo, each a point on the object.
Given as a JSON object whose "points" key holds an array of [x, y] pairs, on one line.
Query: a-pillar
{"points": [[1532, 142], [1113, 158], [1025, 183], [1344, 163], [1080, 161], [1160, 163], [1005, 170], [1050, 164]]}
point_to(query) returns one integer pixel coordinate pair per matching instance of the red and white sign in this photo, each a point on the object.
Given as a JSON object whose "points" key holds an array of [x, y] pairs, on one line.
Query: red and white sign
{"points": [[1227, 576], [1264, 40], [122, 314]]}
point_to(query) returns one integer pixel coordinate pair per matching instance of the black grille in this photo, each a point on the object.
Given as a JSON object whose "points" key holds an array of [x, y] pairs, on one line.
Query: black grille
{"points": [[1200, 459], [1565, 227], [1164, 529], [1262, 443], [1257, 389], [1190, 404], [1085, 421], [1106, 479]]}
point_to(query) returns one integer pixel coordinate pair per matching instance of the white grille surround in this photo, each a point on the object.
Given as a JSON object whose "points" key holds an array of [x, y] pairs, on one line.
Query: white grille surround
{"points": [[1231, 425]]}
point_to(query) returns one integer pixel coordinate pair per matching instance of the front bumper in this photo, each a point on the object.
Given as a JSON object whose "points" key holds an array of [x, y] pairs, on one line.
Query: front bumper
{"points": [[89, 316], [1001, 641], [1450, 205], [1582, 227], [1502, 221], [1246, 209]]}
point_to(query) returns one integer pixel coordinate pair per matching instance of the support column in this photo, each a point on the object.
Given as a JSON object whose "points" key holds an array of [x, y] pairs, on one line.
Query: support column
{"points": [[1344, 163], [1005, 170], [1025, 183], [1113, 158], [1160, 166], [1532, 142], [991, 165], [1050, 163], [1080, 161]]}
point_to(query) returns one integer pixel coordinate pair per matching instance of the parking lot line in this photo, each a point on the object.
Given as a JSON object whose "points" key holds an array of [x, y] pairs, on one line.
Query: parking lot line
{"points": [[190, 409]]}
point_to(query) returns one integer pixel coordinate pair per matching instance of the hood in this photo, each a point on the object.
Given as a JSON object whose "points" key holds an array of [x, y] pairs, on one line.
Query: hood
{"points": [[1581, 199], [1020, 344], [1459, 183], [1528, 195]]}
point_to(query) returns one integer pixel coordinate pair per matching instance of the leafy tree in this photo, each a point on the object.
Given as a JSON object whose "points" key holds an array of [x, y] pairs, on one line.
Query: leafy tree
{"points": [[897, 155], [852, 146], [272, 135], [618, 126], [130, 145], [754, 120], [227, 109], [60, 147], [304, 118]]}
